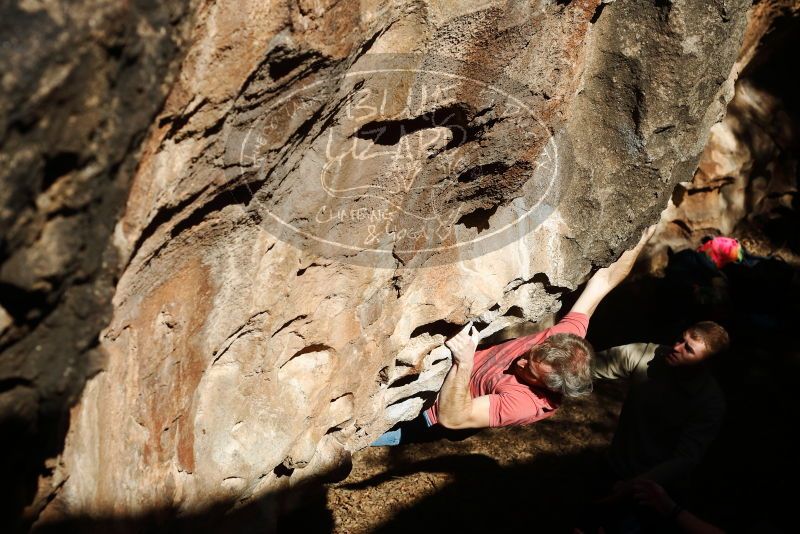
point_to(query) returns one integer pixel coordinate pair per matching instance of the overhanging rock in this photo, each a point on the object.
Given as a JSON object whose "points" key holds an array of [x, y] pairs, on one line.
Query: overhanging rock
{"points": [[332, 190]]}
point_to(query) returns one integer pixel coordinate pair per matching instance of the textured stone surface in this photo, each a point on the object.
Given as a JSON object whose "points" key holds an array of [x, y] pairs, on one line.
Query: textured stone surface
{"points": [[80, 85], [743, 175], [746, 181], [241, 360]]}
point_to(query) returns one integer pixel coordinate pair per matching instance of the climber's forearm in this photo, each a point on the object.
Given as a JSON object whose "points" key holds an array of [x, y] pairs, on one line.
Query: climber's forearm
{"points": [[595, 291], [457, 408], [607, 278], [603, 282], [455, 401], [454, 398]]}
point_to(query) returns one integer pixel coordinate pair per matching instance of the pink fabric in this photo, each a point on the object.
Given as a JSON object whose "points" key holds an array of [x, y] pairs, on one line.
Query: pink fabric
{"points": [[511, 401], [722, 251]]}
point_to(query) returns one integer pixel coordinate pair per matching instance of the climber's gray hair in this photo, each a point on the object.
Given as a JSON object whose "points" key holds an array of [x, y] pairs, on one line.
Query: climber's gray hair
{"points": [[571, 358]]}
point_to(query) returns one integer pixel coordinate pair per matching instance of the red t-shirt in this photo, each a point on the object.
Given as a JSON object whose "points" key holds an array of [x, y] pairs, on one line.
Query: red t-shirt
{"points": [[512, 402]]}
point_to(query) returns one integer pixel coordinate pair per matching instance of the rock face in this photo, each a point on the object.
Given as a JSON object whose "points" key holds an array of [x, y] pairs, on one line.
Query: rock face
{"points": [[332, 189], [746, 181], [81, 83]]}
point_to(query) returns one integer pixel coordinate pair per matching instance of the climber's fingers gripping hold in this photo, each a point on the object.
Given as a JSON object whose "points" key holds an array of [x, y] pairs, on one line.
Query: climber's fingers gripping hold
{"points": [[463, 344], [646, 235], [474, 335]]}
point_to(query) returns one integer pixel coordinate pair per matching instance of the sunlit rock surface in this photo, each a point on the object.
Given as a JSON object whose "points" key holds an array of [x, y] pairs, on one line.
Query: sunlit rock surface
{"points": [[331, 189]]}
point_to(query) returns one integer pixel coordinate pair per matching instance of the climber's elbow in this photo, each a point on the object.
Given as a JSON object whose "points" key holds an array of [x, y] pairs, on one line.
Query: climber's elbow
{"points": [[475, 415]]}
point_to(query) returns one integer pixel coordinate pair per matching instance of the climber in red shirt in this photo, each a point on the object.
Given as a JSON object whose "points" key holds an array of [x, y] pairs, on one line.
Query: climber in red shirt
{"points": [[523, 380]]}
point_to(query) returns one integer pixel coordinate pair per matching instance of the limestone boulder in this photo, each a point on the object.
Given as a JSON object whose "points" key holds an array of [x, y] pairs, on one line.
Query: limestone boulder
{"points": [[334, 188]]}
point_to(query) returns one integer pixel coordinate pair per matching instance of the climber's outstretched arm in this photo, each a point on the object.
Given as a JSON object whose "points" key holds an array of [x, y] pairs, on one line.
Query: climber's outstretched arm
{"points": [[457, 408], [609, 277]]}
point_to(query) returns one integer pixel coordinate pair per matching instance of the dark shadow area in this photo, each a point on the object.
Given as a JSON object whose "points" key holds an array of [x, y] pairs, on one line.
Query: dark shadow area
{"points": [[744, 480], [99, 81], [23, 452], [301, 509], [456, 117], [485, 496], [488, 498]]}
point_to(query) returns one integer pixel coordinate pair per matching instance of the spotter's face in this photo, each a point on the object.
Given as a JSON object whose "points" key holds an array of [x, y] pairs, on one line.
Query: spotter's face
{"points": [[687, 351]]}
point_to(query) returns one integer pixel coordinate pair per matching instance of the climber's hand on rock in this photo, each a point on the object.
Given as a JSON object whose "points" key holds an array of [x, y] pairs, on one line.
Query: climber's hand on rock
{"points": [[463, 344], [646, 235], [617, 271]]}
